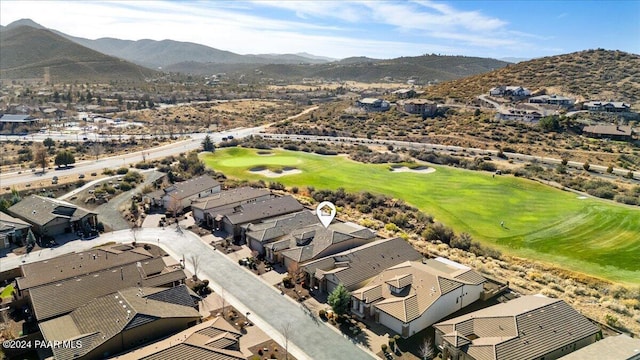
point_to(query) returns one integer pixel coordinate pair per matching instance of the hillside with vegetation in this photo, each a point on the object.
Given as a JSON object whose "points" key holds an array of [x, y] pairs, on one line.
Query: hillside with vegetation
{"points": [[29, 52], [590, 74]]}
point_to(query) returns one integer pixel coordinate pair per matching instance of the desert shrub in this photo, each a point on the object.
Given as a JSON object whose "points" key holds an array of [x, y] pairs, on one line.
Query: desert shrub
{"points": [[108, 172], [384, 348], [125, 186], [122, 171]]}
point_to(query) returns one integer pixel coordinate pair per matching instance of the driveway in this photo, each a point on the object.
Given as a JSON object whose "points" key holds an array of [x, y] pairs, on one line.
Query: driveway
{"points": [[274, 313]]}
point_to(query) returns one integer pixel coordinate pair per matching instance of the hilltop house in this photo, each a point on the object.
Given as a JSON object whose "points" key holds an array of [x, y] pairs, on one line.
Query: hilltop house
{"points": [[120, 321], [606, 106], [422, 107], [519, 115], [413, 295], [405, 93], [552, 100], [613, 132], [373, 104], [210, 210], [51, 217], [354, 268], [506, 91], [527, 328], [12, 231], [180, 195]]}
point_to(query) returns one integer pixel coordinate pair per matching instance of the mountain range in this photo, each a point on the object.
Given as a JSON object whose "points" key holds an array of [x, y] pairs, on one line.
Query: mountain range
{"points": [[31, 47]]}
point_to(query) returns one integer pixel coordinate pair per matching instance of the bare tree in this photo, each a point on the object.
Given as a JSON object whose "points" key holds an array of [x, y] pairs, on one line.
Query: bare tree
{"points": [[295, 272], [174, 207], [195, 261], [426, 349], [40, 155], [223, 302], [286, 333], [135, 230], [97, 149]]}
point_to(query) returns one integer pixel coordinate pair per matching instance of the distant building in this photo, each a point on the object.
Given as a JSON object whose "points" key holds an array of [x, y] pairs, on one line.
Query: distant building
{"points": [[405, 93], [422, 107], [373, 104], [552, 100], [519, 115], [506, 91], [613, 132], [17, 119], [606, 106], [526, 328], [413, 295]]}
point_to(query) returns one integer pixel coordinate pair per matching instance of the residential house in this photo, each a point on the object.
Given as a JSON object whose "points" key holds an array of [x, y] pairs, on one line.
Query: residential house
{"points": [[413, 295], [119, 321], [17, 119], [260, 234], [619, 347], [212, 339], [606, 106], [51, 217], [506, 91], [315, 241], [613, 132], [211, 209], [237, 222], [531, 327], [71, 293], [12, 231], [373, 104], [405, 93], [519, 115], [422, 107], [179, 196], [552, 100], [354, 268]]}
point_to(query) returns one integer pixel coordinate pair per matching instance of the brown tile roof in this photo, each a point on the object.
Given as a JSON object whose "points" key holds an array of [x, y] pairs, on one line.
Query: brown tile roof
{"points": [[102, 318], [70, 294], [419, 284], [215, 339], [227, 197], [41, 210], [6, 218], [619, 347], [192, 187], [315, 240], [78, 264], [360, 264], [608, 130], [264, 210], [276, 228], [524, 328]]}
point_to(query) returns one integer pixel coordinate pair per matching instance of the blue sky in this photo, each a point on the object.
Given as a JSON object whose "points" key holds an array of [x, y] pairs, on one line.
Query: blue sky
{"points": [[339, 29]]}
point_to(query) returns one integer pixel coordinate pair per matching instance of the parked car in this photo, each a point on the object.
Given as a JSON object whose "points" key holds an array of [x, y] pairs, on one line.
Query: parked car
{"points": [[81, 176]]}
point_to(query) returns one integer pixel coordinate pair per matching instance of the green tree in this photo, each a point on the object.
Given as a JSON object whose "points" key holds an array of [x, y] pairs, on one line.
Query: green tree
{"points": [[586, 166], [207, 144], [339, 300], [49, 143], [549, 123], [64, 158]]}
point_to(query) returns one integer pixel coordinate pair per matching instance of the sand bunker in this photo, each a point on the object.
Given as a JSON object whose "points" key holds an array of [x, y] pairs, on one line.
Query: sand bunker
{"points": [[419, 169], [273, 174]]}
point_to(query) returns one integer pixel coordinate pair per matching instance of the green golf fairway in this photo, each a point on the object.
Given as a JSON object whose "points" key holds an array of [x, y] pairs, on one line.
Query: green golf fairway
{"points": [[591, 236]]}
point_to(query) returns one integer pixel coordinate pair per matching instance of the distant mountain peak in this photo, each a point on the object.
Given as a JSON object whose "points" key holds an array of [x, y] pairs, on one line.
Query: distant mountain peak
{"points": [[24, 22]]}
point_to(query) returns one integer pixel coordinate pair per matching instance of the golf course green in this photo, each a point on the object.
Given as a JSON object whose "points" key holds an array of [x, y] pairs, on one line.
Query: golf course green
{"points": [[518, 216]]}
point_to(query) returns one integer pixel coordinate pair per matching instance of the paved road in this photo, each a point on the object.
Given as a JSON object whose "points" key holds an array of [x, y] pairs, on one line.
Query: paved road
{"points": [[271, 311]]}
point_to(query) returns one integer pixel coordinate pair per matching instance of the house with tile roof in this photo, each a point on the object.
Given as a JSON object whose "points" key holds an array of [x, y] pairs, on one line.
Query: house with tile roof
{"points": [[209, 211], [119, 321], [621, 347], [12, 231], [355, 267], [51, 217], [72, 292], [315, 241], [606, 106], [237, 222], [180, 195], [260, 234], [613, 132], [413, 295], [527, 328], [215, 339]]}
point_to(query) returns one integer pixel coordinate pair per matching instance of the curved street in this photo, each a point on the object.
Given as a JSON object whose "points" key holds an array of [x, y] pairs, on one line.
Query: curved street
{"points": [[308, 337]]}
